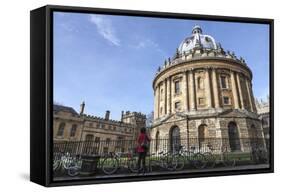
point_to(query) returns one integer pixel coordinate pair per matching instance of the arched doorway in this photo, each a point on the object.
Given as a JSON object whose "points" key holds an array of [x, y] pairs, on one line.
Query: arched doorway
{"points": [[175, 139], [253, 134], [233, 135], [202, 134], [157, 141]]}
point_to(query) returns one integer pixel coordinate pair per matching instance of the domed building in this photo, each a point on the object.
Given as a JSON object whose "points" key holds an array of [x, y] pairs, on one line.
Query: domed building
{"points": [[202, 96]]}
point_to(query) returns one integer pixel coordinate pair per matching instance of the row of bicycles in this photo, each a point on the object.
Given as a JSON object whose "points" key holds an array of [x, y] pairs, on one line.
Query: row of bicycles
{"points": [[170, 161], [180, 159], [112, 162]]}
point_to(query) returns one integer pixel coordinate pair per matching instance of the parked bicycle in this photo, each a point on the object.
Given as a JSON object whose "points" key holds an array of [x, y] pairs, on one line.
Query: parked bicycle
{"points": [[164, 160], [259, 154], [63, 161], [75, 166], [113, 161], [196, 159], [221, 157]]}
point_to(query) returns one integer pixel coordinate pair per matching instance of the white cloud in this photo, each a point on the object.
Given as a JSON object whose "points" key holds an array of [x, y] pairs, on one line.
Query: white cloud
{"points": [[148, 43], [105, 29]]}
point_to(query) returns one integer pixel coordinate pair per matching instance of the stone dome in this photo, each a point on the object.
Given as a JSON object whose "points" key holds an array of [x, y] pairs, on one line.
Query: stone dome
{"points": [[197, 41]]}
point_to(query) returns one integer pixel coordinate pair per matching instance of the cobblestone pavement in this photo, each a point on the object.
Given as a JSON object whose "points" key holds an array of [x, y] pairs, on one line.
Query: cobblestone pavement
{"points": [[188, 171]]}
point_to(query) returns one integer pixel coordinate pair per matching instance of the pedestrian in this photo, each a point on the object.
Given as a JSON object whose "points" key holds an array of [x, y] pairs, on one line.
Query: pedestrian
{"points": [[142, 148]]}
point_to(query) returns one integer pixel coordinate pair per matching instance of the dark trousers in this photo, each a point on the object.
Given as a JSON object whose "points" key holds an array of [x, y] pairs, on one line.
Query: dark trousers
{"points": [[141, 160]]}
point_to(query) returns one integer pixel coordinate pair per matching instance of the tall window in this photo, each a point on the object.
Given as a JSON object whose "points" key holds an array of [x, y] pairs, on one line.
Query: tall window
{"points": [[161, 95], [177, 87], [224, 82], [61, 130], [200, 83], [233, 134], [107, 141], [119, 141], [73, 130], [97, 139], [202, 134]]}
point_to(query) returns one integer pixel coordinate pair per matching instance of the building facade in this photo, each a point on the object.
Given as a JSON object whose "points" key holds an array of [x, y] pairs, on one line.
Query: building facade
{"points": [[203, 93], [263, 110], [102, 134]]}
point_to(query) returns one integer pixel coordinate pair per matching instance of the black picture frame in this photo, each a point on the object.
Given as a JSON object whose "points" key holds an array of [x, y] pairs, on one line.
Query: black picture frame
{"points": [[41, 92]]}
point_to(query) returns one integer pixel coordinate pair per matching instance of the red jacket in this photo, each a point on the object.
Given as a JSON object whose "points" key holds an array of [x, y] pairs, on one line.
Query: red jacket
{"points": [[140, 141]]}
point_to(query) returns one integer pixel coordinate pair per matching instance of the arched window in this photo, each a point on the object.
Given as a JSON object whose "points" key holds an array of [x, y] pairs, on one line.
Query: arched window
{"points": [[175, 138], [233, 134], [73, 130], [202, 133], [61, 129], [157, 141], [200, 83]]}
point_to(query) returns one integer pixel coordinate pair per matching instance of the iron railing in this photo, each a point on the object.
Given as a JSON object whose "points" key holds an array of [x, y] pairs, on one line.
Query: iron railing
{"points": [[196, 145]]}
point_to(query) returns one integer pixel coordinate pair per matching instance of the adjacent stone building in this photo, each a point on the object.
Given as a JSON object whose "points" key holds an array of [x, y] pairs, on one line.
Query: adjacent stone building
{"points": [[263, 111], [203, 95], [103, 134]]}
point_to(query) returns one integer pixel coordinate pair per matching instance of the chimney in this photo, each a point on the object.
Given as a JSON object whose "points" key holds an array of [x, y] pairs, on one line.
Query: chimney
{"points": [[82, 107], [107, 113], [122, 116]]}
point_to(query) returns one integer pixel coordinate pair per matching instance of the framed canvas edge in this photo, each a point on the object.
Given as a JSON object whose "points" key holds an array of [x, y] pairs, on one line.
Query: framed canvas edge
{"points": [[48, 101]]}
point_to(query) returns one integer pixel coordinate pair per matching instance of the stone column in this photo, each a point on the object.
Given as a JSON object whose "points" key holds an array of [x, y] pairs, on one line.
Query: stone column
{"points": [[159, 102], [208, 88], [249, 95], [169, 95], [240, 91], [215, 88], [187, 91], [165, 97], [184, 92], [252, 97], [234, 90], [191, 87], [156, 102]]}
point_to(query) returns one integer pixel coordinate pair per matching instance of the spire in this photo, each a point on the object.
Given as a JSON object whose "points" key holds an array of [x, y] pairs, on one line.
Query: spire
{"points": [[82, 107]]}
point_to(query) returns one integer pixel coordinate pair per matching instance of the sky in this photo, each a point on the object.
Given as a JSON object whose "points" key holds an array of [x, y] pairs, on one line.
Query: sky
{"points": [[110, 61]]}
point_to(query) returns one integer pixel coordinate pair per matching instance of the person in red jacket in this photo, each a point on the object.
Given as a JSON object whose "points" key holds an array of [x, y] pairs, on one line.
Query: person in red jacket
{"points": [[142, 148]]}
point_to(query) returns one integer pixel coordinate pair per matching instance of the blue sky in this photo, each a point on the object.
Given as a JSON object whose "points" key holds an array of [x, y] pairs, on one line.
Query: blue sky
{"points": [[110, 61]]}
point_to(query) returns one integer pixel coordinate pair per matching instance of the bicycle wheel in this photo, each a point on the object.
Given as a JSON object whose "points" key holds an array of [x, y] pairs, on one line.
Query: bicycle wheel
{"points": [[56, 165], [170, 162], [73, 171], [109, 165], [199, 161], [210, 160], [133, 165], [228, 161], [180, 162]]}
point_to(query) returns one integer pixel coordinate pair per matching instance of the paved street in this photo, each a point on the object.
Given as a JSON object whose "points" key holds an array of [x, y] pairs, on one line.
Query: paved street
{"points": [[242, 167]]}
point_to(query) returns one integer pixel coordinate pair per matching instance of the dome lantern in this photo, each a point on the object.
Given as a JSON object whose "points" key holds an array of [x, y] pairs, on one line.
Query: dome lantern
{"points": [[197, 40]]}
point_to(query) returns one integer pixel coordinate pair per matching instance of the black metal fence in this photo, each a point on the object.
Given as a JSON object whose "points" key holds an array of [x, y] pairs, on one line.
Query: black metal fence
{"points": [[160, 146]]}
